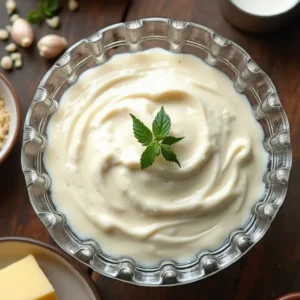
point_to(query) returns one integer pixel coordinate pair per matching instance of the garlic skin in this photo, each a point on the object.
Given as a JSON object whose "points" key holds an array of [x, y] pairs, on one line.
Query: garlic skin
{"points": [[22, 33], [51, 45]]}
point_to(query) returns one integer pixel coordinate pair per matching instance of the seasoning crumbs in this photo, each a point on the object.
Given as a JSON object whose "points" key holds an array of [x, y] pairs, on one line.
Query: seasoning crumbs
{"points": [[4, 123]]}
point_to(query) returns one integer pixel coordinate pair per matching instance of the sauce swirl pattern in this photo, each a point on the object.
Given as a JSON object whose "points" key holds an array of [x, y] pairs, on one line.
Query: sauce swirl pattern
{"points": [[163, 212]]}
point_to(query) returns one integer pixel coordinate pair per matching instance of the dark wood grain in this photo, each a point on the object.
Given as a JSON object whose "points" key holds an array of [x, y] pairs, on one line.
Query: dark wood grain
{"points": [[272, 267], [16, 215]]}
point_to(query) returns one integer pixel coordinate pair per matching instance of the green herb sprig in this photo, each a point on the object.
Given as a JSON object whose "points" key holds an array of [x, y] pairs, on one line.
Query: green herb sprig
{"points": [[158, 141], [47, 9]]}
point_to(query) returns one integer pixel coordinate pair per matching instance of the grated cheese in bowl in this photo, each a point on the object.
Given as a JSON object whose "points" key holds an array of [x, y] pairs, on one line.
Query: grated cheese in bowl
{"points": [[4, 123]]}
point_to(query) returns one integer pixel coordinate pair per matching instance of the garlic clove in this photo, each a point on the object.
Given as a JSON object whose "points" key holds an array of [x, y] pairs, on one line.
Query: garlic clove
{"points": [[73, 5], [22, 33], [3, 34], [10, 6], [6, 62], [16, 56], [18, 63], [51, 45], [53, 22], [8, 28], [14, 18], [12, 47]]}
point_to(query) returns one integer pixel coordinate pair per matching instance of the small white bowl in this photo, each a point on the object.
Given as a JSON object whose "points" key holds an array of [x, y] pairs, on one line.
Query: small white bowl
{"points": [[257, 22], [12, 104]]}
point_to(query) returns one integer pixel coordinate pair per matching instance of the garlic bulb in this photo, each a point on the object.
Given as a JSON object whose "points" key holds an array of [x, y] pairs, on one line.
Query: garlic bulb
{"points": [[22, 33], [51, 45]]}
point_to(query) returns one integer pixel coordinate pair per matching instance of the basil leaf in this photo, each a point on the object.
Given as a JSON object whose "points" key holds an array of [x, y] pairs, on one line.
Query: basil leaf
{"points": [[156, 142], [142, 133], [43, 10], [161, 125], [149, 155], [51, 6], [34, 17], [170, 140], [168, 154]]}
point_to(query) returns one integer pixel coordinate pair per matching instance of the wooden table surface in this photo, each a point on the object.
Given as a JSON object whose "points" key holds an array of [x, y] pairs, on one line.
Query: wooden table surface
{"points": [[272, 267]]}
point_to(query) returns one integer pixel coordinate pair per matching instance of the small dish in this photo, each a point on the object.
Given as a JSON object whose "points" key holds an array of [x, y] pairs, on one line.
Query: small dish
{"points": [[12, 104], [257, 22], [69, 282], [290, 296]]}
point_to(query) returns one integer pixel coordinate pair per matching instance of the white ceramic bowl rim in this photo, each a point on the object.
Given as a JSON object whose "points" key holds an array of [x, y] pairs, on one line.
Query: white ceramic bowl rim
{"points": [[262, 16], [12, 104]]}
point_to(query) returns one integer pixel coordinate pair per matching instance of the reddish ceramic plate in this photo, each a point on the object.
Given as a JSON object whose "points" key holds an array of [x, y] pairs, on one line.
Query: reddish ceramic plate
{"points": [[69, 281], [290, 296]]}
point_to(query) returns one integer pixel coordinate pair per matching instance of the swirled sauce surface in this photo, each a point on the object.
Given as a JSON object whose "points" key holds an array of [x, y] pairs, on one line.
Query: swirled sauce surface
{"points": [[163, 211]]}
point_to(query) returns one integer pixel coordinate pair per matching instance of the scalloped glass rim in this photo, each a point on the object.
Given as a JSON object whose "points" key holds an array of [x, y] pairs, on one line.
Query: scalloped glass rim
{"points": [[176, 36]]}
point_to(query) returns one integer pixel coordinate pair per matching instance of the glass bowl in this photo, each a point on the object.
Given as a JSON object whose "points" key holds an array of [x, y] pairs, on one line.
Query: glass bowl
{"points": [[176, 36]]}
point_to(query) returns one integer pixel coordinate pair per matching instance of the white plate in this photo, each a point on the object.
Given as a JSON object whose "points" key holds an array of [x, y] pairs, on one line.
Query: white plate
{"points": [[68, 281]]}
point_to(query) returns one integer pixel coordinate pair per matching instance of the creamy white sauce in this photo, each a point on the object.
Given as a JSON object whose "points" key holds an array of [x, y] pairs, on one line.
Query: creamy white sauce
{"points": [[163, 212], [265, 7]]}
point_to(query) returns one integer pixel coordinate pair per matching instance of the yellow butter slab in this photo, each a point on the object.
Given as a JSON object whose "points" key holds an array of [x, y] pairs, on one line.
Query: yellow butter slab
{"points": [[24, 280]]}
